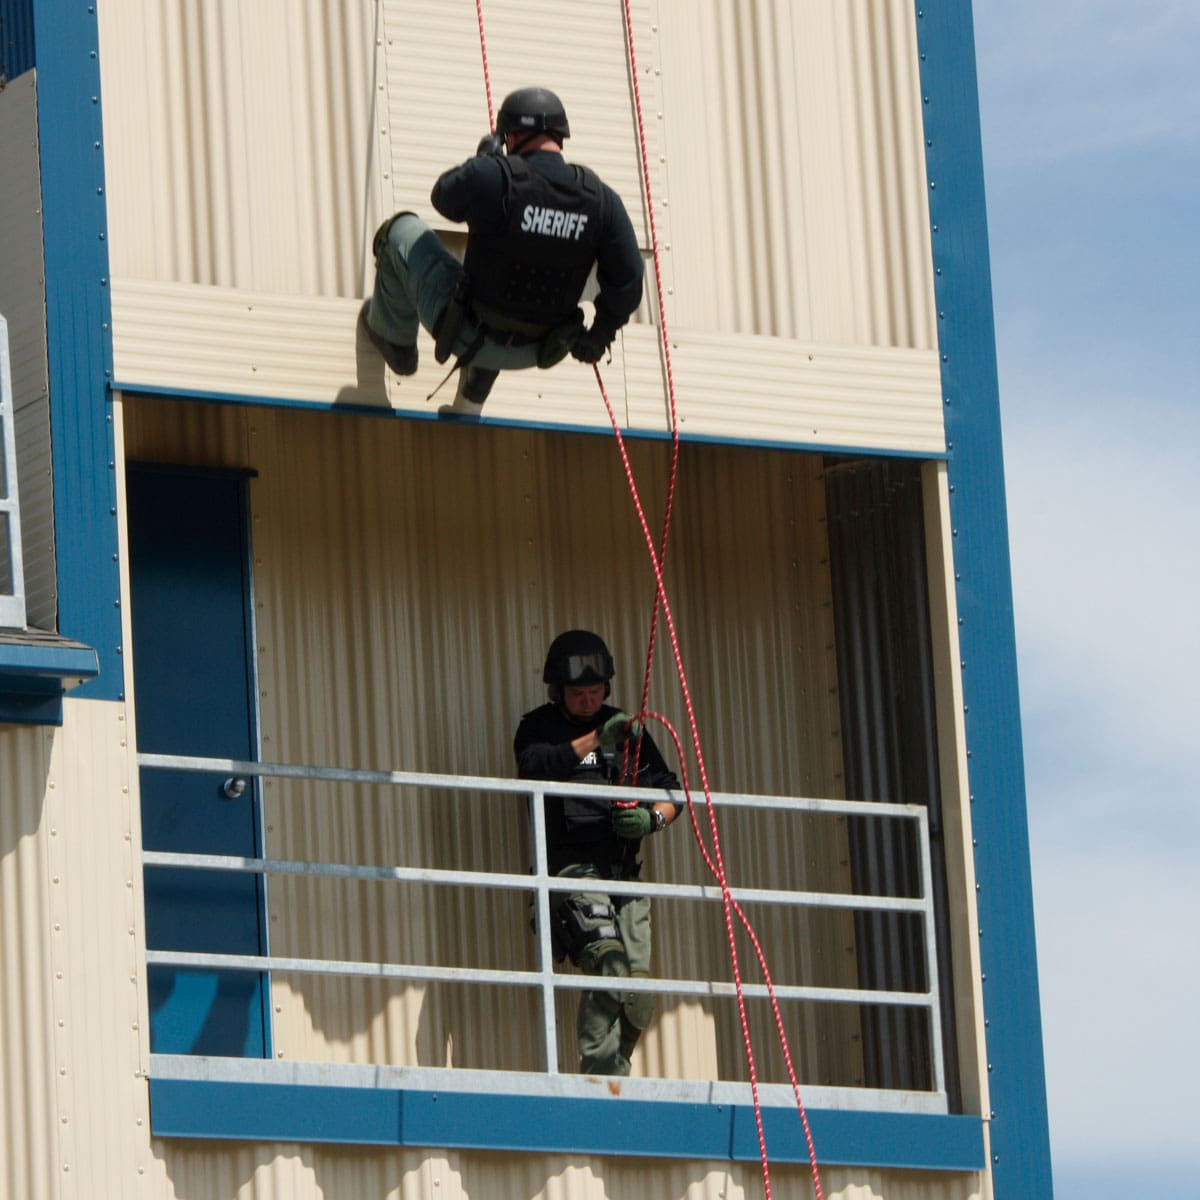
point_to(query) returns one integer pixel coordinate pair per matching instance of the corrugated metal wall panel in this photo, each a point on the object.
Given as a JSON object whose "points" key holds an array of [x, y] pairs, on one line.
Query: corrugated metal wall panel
{"points": [[27, 1087], [73, 1103], [267, 172], [409, 577], [297, 1173], [952, 766], [728, 386], [95, 916], [795, 171], [23, 303], [434, 64], [240, 147], [776, 389]]}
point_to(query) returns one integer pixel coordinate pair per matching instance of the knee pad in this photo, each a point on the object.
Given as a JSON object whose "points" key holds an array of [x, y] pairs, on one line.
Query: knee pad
{"points": [[639, 1008], [604, 957]]}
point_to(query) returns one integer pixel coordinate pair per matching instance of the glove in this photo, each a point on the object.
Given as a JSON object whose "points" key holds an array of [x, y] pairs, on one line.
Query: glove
{"points": [[490, 143], [632, 823], [591, 345], [618, 729]]}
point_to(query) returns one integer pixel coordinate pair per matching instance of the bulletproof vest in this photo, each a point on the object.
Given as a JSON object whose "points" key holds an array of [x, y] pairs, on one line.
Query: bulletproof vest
{"points": [[534, 267]]}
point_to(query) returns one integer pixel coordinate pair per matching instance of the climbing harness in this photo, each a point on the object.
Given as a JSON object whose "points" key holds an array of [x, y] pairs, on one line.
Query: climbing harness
{"points": [[657, 555]]}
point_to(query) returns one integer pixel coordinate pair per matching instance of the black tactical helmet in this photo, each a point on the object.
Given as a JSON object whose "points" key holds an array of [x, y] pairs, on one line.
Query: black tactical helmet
{"points": [[577, 658], [533, 110]]}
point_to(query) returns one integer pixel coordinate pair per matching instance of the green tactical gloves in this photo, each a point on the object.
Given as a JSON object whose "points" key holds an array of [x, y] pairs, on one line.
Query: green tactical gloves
{"points": [[618, 729], [632, 823]]}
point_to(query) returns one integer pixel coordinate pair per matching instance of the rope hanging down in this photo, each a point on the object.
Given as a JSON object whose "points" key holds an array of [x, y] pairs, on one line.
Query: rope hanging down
{"points": [[715, 862], [717, 868]]}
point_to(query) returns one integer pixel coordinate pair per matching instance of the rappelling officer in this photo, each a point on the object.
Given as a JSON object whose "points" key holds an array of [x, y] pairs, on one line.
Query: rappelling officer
{"points": [[576, 736], [536, 227]]}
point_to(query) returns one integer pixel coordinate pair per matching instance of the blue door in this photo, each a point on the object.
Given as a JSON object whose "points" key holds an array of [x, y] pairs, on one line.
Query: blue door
{"points": [[194, 693]]}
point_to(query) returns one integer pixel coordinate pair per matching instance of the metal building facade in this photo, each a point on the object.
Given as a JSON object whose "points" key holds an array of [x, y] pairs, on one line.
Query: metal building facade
{"points": [[248, 154]]}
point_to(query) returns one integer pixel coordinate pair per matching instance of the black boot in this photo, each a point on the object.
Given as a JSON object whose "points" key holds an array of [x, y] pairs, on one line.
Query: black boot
{"points": [[476, 383], [402, 359]]}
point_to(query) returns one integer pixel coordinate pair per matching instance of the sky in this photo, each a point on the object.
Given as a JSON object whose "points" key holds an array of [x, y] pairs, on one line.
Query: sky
{"points": [[1090, 114]]}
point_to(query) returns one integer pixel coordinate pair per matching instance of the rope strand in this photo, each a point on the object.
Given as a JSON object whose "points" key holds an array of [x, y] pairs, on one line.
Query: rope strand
{"points": [[715, 861]]}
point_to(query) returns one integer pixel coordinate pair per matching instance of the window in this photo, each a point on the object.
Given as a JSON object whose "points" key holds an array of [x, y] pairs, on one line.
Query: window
{"points": [[12, 582]]}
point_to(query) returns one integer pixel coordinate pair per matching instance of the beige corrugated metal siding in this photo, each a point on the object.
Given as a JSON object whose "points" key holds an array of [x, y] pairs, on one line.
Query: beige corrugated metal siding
{"points": [[786, 165], [409, 574], [27, 1098], [23, 303], [72, 1100], [795, 166], [434, 65], [409, 577]]}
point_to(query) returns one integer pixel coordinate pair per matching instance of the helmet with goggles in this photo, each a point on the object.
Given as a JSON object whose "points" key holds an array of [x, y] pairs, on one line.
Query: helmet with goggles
{"points": [[577, 658], [533, 110]]}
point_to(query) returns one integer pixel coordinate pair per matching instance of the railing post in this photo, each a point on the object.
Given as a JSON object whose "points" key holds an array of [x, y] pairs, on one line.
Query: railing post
{"points": [[937, 1056], [545, 951]]}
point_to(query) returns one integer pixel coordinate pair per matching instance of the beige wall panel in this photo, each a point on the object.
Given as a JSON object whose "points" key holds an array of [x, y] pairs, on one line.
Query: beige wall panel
{"points": [[263, 345], [408, 578], [28, 1096], [434, 63], [260, 145], [795, 170], [72, 1099], [956, 808], [96, 950], [23, 304], [221, 1171], [240, 143], [254, 344], [781, 391]]}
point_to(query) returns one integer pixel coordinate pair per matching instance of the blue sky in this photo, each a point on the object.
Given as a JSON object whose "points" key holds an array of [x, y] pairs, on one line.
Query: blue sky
{"points": [[1091, 139]]}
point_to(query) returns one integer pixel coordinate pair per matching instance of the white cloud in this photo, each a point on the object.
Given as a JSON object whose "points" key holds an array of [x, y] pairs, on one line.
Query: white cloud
{"points": [[1106, 570], [1118, 971]]}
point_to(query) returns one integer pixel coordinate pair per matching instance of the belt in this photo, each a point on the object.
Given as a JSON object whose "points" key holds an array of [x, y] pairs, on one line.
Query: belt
{"points": [[509, 337]]}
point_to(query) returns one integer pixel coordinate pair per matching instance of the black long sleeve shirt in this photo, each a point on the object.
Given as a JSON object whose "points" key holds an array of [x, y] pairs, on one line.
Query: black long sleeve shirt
{"points": [[476, 192], [579, 828]]}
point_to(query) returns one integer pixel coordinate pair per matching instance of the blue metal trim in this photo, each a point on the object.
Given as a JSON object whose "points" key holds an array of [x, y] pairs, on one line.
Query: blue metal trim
{"points": [[78, 334], [33, 679], [47, 662], [267, 1112], [367, 410], [1019, 1127]]}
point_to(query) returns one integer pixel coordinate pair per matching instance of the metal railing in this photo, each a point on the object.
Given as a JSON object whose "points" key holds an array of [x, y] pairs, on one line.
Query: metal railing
{"points": [[545, 978]]}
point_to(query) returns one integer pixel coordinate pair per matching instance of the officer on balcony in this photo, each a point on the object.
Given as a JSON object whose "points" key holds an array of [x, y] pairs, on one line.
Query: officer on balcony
{"points": [[576, 736], [536, 227]]}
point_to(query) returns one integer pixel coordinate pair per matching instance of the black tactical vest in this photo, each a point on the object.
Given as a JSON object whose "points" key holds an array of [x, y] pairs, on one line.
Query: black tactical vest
{"points": [[535, 267]]}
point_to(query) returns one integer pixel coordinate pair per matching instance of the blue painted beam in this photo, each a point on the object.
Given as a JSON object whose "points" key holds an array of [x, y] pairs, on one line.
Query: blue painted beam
{"points": [[1019, 1122], [78, 333], [286, 1112], [35, 672]]}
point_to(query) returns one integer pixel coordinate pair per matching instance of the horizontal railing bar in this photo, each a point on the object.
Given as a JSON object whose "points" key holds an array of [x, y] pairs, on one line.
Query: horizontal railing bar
{"points": [[528, 882], [478, 975], [520, 787]]}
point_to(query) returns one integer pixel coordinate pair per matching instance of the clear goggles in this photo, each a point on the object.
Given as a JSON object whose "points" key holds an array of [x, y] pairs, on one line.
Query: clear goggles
{"points": [[587, 668]]}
